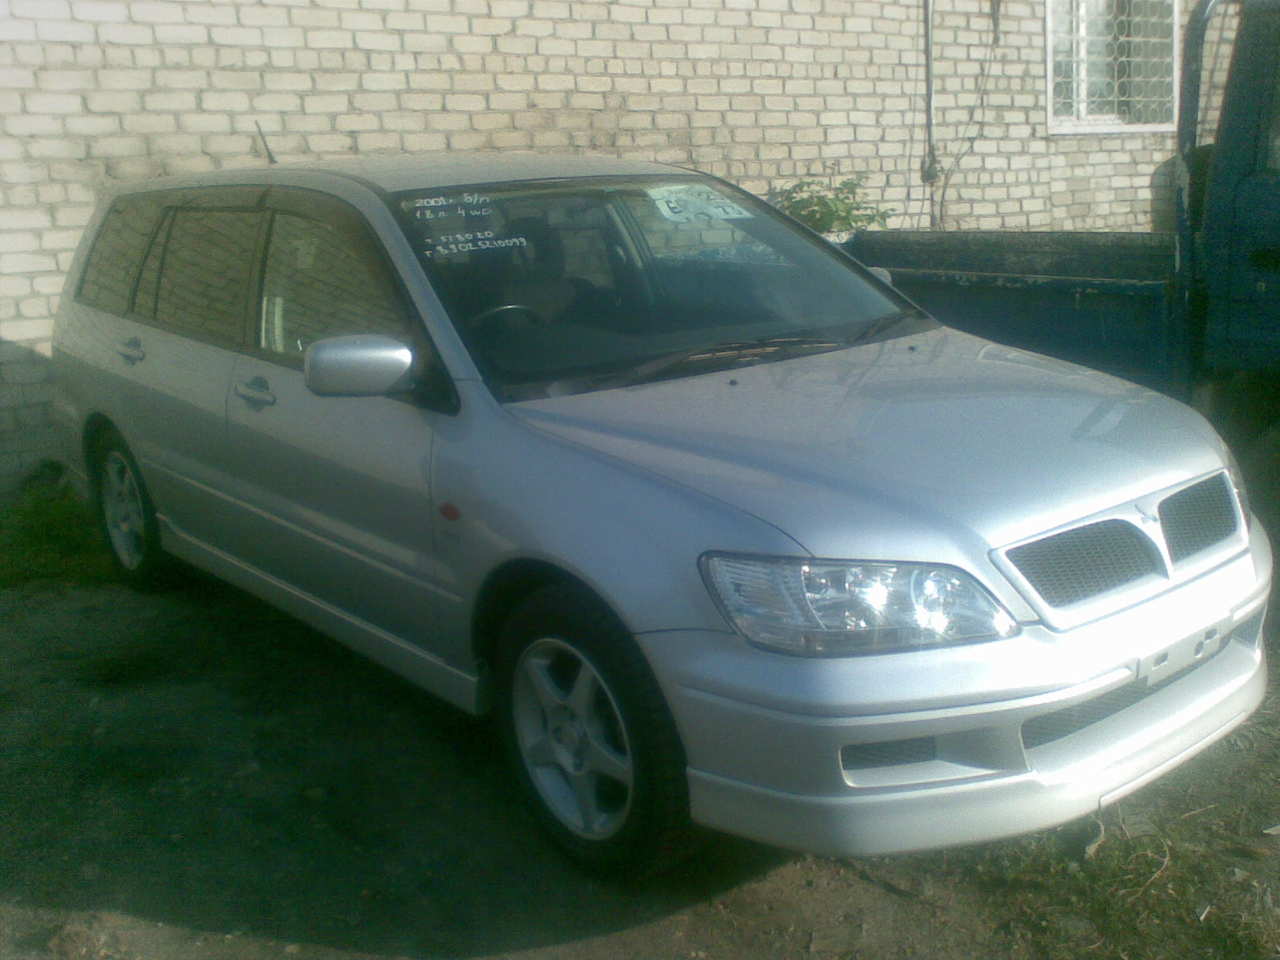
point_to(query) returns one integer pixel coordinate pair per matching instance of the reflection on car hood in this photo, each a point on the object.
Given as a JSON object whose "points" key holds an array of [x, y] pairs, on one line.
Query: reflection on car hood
{"points": [[923, 445]]}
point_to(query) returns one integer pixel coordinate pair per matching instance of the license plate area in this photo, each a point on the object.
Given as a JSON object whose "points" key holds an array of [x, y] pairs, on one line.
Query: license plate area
{"points": [[1164, 665]]}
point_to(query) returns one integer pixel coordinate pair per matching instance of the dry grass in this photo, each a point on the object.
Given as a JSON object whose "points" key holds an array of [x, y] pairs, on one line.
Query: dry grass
{"points": [[1182, 869]]}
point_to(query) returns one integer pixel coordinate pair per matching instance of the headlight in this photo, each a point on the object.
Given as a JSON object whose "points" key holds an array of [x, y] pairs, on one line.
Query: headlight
{"points": [[825, 608]]}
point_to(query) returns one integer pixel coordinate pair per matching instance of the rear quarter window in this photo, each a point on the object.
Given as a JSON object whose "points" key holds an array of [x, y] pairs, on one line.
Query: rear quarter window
{"points": [[115, 259]]}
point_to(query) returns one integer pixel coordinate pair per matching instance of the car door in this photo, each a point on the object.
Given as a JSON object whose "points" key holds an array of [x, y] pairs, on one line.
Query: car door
{"points": [[178, 346], [336, 491]]}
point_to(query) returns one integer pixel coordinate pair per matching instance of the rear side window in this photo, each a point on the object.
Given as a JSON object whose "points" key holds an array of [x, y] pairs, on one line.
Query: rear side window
{"points": [[112, 269], [206, 273]]}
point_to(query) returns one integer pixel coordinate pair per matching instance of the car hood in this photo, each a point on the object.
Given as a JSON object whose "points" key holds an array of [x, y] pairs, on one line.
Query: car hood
{"points": [[934, 446]]}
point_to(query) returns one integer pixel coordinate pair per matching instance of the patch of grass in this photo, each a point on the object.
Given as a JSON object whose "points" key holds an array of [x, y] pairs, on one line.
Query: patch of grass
{"points": [[48, 533], [1144, 897]]}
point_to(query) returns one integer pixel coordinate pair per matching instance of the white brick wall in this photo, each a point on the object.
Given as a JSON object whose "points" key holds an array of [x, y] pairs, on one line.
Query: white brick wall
{"points": [[760, 91]]}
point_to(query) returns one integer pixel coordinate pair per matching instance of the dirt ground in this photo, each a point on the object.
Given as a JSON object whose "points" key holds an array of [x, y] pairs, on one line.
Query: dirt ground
{"points": [[190, 774]]}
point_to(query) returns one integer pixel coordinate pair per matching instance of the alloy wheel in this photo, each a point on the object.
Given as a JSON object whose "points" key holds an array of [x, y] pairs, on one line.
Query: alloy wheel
{"points": [[572, 739], [122, 510]]}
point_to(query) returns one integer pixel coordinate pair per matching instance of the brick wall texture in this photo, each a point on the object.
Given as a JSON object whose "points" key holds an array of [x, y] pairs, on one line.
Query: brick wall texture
{"points": [[760, 91]]}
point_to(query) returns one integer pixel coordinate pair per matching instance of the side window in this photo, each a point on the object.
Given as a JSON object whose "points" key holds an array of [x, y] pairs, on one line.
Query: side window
{"points": [[323, 279], [114, 261], [207, 269]]}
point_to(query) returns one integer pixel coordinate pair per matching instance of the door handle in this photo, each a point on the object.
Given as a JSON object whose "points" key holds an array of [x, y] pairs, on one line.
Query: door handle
{"points": [[256, 392], [131, 350]]}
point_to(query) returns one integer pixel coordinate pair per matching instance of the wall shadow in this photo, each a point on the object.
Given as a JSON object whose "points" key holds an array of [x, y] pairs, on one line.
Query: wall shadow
{"points": [[195, 757], [26, 434]]}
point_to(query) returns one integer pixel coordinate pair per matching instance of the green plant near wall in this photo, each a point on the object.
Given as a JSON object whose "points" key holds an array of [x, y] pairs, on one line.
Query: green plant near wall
{"points": [[830, 209]]}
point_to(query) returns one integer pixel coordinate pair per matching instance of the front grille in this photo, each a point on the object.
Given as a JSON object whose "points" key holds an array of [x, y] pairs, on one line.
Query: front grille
{"points": [[1078, 564], [1198, 517], [864, 756], [1049, 727], [1250, 632]]}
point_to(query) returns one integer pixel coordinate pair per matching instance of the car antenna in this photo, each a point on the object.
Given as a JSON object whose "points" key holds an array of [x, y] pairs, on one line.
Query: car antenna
{"points": [[271, 157]]}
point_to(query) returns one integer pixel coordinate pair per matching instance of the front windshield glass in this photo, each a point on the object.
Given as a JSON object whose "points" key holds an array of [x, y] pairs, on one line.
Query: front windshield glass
{"points": [[563, 287]]}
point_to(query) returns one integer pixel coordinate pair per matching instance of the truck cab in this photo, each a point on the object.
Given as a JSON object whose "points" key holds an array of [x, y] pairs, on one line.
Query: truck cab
{"points": [[1236, 252]]}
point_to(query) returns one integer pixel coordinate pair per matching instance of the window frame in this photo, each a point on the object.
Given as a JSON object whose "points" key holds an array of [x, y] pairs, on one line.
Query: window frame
{"points": [[1109, 123]]}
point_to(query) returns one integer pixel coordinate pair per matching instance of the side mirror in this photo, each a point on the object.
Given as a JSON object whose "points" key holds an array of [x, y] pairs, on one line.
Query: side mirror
{"points": [[365, 365], [882, 274]]}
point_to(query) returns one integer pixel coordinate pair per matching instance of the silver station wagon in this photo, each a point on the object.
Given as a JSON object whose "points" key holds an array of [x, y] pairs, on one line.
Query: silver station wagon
{"points": [[721, 528]]}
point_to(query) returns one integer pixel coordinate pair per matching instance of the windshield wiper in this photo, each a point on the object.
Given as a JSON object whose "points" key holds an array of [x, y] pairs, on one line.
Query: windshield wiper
{"points": [[882, 325], [716, 356]]}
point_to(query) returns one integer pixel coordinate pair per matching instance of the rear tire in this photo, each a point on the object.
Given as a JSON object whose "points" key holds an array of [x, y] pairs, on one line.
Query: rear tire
{"points": [[589, 736], [126, 516]]}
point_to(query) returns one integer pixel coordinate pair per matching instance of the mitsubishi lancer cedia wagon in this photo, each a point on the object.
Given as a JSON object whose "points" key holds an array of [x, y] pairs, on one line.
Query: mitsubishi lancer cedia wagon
{"points": [[720, 527]]}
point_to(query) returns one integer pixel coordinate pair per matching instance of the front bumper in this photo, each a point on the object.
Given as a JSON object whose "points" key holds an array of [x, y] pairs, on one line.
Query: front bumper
{"points": [[820, 774]]}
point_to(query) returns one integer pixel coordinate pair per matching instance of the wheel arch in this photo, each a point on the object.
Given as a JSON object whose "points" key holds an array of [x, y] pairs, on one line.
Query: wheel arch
{"points": [[505, 589]]}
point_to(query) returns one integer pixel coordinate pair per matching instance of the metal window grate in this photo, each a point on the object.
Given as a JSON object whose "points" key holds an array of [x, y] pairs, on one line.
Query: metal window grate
{"points": [[1113, 60], [1078, 564], [1198, 517]]}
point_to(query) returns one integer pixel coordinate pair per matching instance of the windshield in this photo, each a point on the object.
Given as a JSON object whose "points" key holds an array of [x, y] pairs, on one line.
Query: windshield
{"points": [[564, 287]]}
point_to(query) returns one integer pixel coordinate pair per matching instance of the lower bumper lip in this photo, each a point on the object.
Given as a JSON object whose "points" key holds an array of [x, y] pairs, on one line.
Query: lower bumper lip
{"points": [[1058, 781]]}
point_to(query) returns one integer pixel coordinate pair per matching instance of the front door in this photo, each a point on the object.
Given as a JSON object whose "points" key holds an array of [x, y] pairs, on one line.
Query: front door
{"points": [[336, 491]]}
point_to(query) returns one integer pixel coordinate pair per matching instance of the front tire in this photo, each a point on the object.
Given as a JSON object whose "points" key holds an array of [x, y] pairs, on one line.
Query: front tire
{"points": [[126, 516], [589, 735]]}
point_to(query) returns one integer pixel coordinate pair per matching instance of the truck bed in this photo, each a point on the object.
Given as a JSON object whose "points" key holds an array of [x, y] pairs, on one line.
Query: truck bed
{"points": [[1100, 299]]}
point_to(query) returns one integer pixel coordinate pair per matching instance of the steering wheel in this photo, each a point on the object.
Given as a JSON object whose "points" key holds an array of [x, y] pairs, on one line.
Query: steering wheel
{"points": [[486, 317]]}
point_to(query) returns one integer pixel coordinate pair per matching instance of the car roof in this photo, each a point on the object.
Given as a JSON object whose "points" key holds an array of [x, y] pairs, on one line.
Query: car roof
{"points": [[411, 171]]}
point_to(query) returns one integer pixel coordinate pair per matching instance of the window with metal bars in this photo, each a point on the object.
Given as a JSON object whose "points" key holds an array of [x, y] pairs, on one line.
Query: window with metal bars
{"points": [[1112, 64]]}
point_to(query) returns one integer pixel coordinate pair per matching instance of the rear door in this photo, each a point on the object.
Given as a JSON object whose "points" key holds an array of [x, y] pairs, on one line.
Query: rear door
{"points": [[336, 490], [178, 346]]}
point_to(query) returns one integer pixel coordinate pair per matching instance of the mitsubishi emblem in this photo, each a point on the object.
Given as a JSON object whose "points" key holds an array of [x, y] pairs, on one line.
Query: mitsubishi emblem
{"points": [[1147, 515]]}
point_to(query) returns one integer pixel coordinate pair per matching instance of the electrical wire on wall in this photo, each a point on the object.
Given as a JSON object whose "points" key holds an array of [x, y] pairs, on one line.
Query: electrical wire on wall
{"points": [[930, 174], [914, 210], [929, 165]]}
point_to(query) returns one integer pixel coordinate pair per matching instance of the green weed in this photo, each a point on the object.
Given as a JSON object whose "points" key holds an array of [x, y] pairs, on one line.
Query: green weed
{"points": [[48, 533]]}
